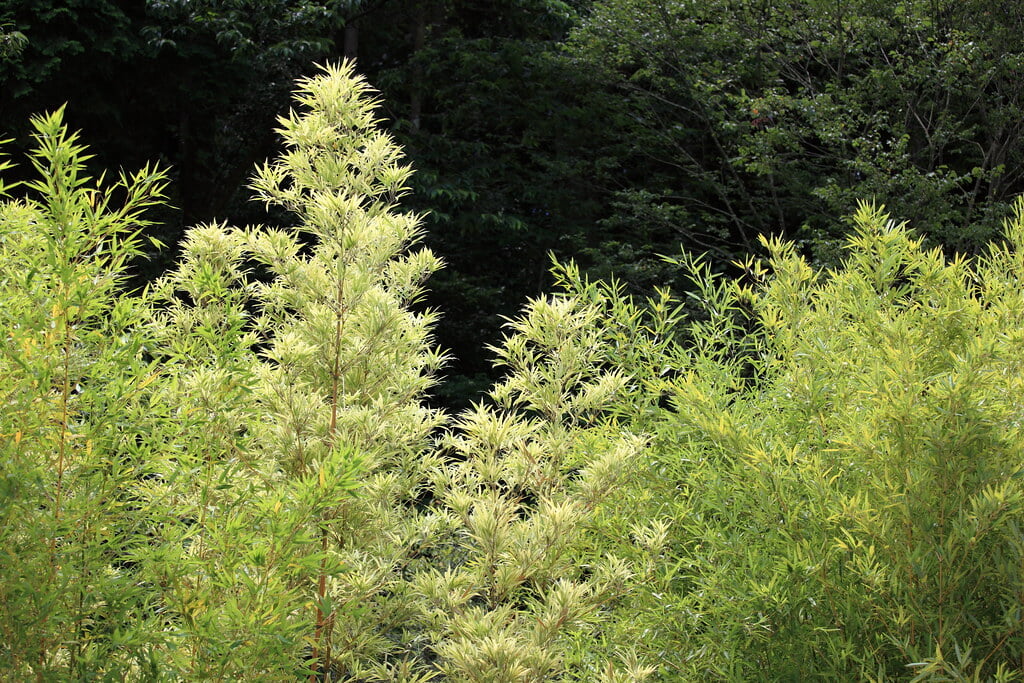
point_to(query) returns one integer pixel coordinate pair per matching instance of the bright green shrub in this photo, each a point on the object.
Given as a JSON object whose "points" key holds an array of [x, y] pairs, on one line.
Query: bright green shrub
{"points": [[516, 572], [845, 450], [70, 374]]}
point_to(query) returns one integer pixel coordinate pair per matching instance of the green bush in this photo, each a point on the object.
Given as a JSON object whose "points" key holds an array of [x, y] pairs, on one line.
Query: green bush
{"points": [[842, 467], [70, 374], [233, 474]]}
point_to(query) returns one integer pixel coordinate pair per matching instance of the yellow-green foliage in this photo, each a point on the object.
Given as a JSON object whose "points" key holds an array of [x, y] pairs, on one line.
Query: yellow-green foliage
{"points": [[516, 569], [232, 475], [70, 372], [846, 455], [299, 353]]}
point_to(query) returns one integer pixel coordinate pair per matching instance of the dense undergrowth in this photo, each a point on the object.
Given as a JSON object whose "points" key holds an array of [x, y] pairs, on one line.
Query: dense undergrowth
{"points": [[795, 475]]}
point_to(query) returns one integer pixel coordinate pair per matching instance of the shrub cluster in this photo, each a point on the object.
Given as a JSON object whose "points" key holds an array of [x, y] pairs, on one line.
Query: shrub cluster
{"points": [[233, 474]]}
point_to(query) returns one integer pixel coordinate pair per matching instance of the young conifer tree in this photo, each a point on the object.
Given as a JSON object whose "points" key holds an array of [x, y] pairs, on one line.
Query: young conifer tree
{"points": [[349, 360], [315, 323]]}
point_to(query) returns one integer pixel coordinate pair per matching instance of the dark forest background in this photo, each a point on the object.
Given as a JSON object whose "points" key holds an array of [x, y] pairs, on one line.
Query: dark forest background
{"points": [[609, 131]]}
